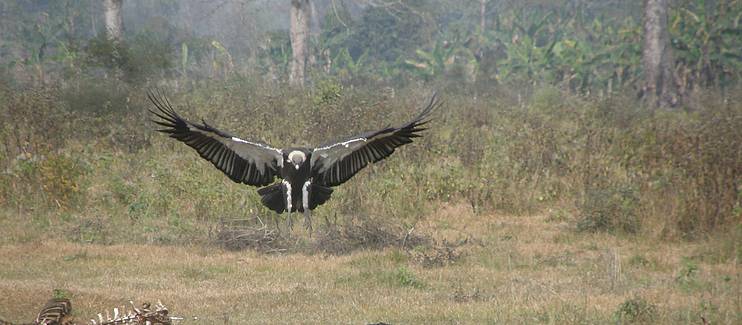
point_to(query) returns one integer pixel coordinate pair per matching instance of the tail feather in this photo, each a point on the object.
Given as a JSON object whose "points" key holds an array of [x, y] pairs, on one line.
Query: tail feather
{"points": [[274, 197]]}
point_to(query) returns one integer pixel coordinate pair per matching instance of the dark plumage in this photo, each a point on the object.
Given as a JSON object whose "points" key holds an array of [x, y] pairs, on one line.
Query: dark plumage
{"points": [[308, 174]]}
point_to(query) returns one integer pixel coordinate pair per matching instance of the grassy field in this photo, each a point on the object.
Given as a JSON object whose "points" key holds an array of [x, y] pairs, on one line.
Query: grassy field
{"points": [[556, 208], [496, 269]]}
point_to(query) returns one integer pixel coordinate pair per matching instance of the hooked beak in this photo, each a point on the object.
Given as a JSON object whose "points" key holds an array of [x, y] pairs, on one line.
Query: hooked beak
{"points": [[296, 166]]}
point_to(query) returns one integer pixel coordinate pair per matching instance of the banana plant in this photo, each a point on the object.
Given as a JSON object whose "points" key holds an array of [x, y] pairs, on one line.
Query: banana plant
{"points": [[707, 44], [222, 60], [600, 59], [434, 62], [346, 66], [524, 57], [67, 55], [441, 58], [524, 50]]}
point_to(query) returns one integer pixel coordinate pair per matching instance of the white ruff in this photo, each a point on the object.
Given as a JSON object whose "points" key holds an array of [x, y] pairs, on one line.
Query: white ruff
{"points": [[288, 195], [301, 155], [305, 195]]}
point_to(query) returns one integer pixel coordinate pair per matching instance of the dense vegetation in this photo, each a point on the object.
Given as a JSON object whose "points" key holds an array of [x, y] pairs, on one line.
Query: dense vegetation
{"points": [[541, 116], [600, 163], [586, 47]]}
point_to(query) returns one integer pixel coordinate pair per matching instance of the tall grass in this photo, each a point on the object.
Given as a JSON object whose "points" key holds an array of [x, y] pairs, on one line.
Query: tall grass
{"points": [[104, 175]]}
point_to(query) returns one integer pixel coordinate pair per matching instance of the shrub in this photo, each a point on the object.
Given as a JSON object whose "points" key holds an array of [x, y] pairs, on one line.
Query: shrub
{"points": [[62, 180], [145, 55], [610, 209], [636, 310], [402, 276], [687, 275]]}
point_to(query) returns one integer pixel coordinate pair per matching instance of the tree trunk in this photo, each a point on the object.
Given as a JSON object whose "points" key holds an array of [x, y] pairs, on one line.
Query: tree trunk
{"points": [[482, 15], [300, 17], [113, 19], [659, 85], [314, 32]]}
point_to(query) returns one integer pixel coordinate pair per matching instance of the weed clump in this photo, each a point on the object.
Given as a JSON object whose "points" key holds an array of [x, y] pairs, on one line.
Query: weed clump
{"points": [[687, 276], [635, 311], [405, 278]]}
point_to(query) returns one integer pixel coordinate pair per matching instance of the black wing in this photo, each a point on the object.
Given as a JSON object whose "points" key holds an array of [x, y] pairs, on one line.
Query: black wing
{"points": [[336, 163], [252, 163]]}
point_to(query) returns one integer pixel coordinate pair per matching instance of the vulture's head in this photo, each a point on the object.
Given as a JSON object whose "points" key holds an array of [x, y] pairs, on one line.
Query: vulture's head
{"points": [[296, 158]]}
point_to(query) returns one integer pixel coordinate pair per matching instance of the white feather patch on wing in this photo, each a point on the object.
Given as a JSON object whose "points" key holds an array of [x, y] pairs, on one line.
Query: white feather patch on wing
{"points": [[344, 144], [256, 153], [334, 152]]}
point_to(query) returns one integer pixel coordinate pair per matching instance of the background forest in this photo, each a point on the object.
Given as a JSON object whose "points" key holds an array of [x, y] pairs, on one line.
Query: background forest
{"points": [[548, 116]]}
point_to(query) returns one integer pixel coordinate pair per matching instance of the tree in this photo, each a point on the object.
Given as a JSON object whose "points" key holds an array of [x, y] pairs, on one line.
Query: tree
{"points": [[659, 85], [113, 19], [299, 33], [114, 23]]}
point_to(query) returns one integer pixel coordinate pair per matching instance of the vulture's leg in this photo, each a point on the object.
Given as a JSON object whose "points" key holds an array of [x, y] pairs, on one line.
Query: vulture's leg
{"points": [[308, 220]]}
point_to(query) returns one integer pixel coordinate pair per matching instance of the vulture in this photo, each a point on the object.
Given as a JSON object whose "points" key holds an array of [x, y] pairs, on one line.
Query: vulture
{"points": [[307, 174]]}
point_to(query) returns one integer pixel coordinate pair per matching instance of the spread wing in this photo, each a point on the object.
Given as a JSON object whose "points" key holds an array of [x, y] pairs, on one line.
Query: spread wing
{"points": [[335, 163], [252, 163]]}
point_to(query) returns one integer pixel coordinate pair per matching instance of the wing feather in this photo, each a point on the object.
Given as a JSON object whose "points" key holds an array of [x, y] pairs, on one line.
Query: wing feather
{"points": [[243, 161], [335, 163]]}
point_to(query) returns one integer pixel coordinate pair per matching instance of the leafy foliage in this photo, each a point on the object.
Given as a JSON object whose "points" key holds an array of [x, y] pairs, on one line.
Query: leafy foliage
{"points": [[586, 48]]}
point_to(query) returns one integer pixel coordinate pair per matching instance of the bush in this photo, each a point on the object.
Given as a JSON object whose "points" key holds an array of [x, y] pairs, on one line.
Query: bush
{"points": [[687, 275], [402, 276], [145, 55], [610, 209], [61, 179], [636, 311]]}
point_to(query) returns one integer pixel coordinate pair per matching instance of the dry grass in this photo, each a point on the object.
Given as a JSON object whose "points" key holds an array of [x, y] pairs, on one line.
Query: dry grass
{"points": [[512, 270], [111, 211]]}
